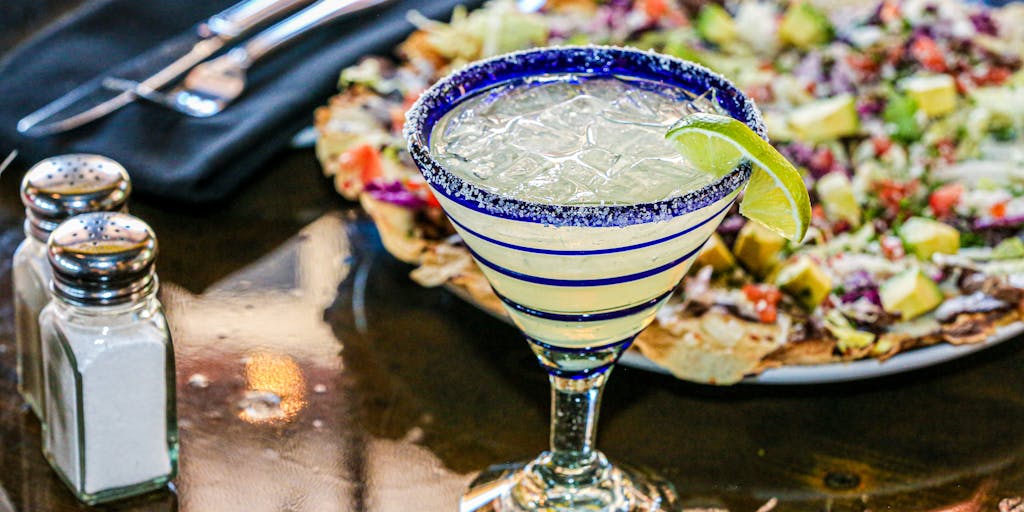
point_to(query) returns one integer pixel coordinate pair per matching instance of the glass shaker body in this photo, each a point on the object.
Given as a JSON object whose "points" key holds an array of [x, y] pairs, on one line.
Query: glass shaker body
{"points": [[53, 190], [30, 276], [111, 430]]}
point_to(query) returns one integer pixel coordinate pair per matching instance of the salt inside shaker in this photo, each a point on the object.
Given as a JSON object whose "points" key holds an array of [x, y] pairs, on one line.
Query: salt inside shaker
{"points": [[109, 370], [53, 190]]}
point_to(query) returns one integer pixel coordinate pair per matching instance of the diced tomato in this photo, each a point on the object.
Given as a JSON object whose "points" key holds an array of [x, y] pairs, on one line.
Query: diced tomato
{"points": [[894, 54], [413, 185], [862, 63], [753, 292], [761, 93], [927, 52], [423, 191], [432, 201], [945, 198], [811, 87], [892, 247], [655, 8], [398, 113], [998, 75], [993, 76], [964, 83], [397, 119], [823, 160], [767, 314], [817, 212], [766, 299], [364, 159], [947, 150], [998, 210], [410, 99], [819, 220], [892, 192], [667, 12], [882, 144], [889, 11]]}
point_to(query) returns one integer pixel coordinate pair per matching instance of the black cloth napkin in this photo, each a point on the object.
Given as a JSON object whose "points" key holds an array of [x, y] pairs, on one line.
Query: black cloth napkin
{"points": [[169, 155]]}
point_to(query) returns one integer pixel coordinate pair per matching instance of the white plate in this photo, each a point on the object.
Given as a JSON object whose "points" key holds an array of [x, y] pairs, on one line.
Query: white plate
{"points": [[854, 370], [833, 372]]}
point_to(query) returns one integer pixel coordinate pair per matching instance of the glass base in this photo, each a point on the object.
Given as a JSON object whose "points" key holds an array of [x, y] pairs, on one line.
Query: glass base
{"points": [[116, 493], [532, 486]]}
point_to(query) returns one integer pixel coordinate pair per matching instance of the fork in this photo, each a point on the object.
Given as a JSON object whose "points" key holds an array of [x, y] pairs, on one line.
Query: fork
{"points": [[211, 86]]}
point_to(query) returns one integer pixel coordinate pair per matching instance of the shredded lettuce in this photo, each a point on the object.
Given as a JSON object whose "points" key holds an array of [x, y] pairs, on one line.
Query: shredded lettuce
{"points": [[498, 27]]}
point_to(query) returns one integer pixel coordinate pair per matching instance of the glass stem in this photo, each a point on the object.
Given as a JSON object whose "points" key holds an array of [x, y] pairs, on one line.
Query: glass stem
{"points": [[575, 404]]}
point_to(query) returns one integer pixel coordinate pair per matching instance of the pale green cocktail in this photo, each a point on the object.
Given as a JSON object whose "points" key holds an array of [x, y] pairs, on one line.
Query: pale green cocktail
{"points": [[577, 139], [552, 165]]}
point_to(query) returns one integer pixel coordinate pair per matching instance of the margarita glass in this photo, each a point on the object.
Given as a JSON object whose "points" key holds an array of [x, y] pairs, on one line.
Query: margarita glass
{"points": [[580, 275]]}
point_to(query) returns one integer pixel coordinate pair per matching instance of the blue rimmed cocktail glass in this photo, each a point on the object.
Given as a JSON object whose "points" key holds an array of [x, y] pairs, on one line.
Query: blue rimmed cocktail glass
{"points": [[580, 278]]}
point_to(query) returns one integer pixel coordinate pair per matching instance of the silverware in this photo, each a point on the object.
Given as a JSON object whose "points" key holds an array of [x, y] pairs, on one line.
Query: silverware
{"points": [[154, 68], [211, 86], [8, 161]]}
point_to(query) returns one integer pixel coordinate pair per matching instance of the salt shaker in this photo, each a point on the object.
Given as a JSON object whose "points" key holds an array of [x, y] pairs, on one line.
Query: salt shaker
{"points": [[53, 190], [111, 429]]}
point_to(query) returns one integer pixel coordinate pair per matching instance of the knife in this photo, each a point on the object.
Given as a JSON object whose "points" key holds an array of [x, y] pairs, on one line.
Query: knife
{"points": [[155, 68], [211, 86]]}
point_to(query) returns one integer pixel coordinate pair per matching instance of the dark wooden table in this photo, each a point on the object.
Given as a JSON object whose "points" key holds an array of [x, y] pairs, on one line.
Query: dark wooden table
{"points": [[314, 376]]}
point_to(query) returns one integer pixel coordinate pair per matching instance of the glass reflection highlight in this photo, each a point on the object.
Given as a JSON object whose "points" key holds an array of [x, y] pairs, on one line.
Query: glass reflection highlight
{"points": [[275, 389]]}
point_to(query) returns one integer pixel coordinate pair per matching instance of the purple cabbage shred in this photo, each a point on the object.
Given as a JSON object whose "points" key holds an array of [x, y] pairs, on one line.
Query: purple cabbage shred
{"points": [[731, 224], [394, 193], [798, 153], [984, 23], [860, 285], [870, 294], [811, 68], [1002, 222], [870, 106], [842, 78]]}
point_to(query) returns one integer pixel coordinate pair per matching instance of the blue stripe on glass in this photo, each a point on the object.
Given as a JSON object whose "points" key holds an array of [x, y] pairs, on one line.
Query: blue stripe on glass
{"points": [[584, 317], [597, 216], [582, 282], [448, 92], [582, 350], [577, 374], [557, 252]]}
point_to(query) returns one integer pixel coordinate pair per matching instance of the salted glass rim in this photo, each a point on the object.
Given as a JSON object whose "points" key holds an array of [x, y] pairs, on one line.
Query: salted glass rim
{"points": [[444, 95]]}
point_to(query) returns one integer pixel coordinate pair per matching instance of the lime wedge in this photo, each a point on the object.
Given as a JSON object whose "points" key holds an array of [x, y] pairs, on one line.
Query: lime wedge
{"points": [[775, 196]]}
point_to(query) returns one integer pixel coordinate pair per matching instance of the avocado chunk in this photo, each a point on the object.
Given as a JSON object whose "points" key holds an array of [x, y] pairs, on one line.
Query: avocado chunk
{"points": [[847, 337], [1009, 249], [825, 119], [715, 24], [925, 237], [778, 127], [910, 294], [884, 345], [804, 26], [852, 339], [757, 248], [836, 194], [806, 281], [716, 254], [935, 94]]}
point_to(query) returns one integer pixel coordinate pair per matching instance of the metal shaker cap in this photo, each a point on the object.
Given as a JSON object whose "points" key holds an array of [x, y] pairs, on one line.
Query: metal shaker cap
{"points": [[67, 185], [102, 258]]}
